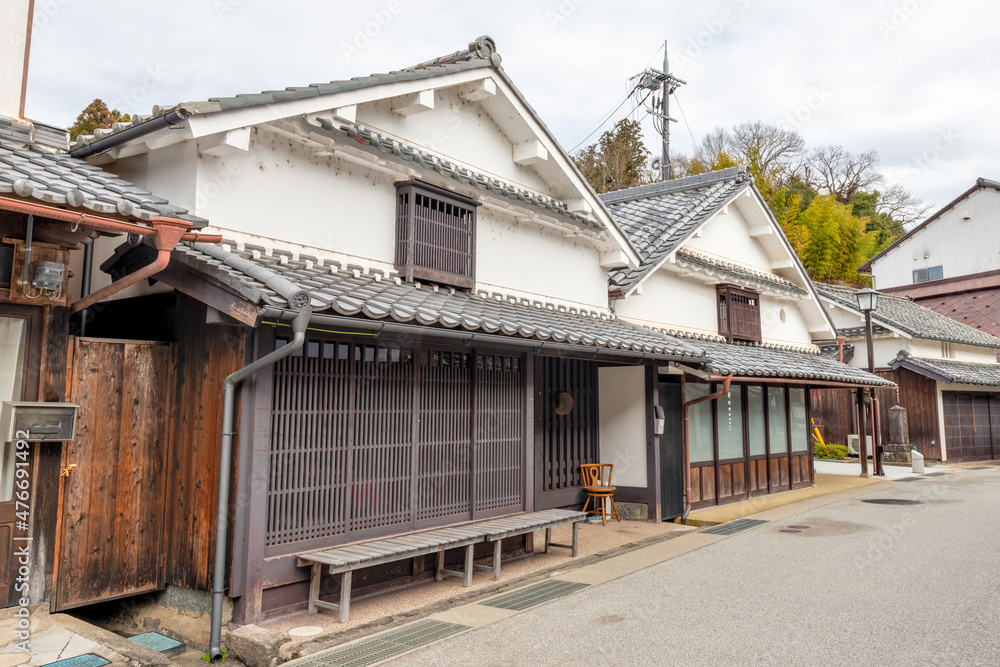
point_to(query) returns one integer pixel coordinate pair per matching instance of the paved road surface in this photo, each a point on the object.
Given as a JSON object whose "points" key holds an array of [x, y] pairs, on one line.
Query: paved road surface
{"points": [[864, 584]]}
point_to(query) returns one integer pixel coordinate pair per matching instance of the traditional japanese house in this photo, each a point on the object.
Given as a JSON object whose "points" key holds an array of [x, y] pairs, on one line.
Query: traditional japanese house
{"points": [[717, 271], [460, 361], [946, 373]]}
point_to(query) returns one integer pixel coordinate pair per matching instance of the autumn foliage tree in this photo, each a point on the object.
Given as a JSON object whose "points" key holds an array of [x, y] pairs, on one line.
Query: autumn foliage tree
{"points": [[618, 159], [95, 116]]}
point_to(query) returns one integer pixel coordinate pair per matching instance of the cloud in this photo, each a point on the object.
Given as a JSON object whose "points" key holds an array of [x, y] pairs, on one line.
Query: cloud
{"points": [[897, 71]]}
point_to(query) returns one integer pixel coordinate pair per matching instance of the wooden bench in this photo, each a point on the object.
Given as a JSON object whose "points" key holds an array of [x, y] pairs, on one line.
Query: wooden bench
{"points": [[344, 560]]}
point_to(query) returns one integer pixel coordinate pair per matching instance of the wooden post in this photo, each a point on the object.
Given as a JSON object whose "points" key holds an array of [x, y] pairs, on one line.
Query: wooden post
{"points": [[314, 581], [345, 595], [496, 560], [469, 564]]}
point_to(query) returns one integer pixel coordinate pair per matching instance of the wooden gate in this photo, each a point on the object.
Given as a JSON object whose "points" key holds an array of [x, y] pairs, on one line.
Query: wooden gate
{"points": [[972, 426], [110, 528]]}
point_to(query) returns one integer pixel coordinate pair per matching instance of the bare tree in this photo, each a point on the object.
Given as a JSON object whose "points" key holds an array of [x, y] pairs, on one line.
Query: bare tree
{"points": [[900, 205], [768, 149], [838, 171]]}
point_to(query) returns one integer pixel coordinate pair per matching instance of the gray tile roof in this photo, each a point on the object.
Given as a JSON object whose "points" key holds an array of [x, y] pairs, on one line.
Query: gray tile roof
{"points": [[832, 351], [900, 312], [767, 362], [480, 53], [60, 180], [948, 370], [857, 332], [340, 289], [740, 273], [658, 218], [437, 164]]}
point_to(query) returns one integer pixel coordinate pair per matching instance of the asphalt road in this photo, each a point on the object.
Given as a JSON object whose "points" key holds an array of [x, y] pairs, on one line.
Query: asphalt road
{"points": [[864, 584]]}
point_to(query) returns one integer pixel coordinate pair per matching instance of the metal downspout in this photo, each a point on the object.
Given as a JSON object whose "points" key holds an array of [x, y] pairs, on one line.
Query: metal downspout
{"points": [[168, 233], [88, 268], [299, 325], [687, 441]]}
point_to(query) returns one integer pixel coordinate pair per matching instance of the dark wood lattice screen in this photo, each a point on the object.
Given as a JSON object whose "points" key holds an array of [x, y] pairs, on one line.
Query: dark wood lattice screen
{"points": [[739, 314], [370, 440], [569, 439], [435, 236]]}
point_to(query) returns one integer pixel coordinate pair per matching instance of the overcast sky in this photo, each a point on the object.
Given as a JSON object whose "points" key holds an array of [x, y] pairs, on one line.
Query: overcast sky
{"points": [[919, 81]]}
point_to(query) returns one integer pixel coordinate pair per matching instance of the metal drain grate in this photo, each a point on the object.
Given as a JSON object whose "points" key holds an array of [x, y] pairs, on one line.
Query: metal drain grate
{"points": [[383, 646], [534, 595], [733, 527], [906, 479], [158, 642], [892, 501], [935, 474], [85, 660], [982, 468]]}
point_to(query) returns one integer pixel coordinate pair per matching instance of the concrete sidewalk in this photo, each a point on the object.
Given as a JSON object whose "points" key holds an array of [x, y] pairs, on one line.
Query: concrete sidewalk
{"points": [[470, 613]]}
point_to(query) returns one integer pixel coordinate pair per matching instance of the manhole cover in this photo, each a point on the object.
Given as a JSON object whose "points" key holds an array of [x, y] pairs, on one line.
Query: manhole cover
{"points": [[799, 527], [891, 501], [789, 530]]}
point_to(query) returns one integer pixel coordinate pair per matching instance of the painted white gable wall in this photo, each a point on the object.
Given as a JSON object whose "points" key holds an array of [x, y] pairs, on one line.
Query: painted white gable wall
{"points": [[281, 189], [961, 247], [670, 300]]}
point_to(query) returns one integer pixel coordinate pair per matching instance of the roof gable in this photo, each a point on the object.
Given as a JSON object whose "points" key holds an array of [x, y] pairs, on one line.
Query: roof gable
{"points": [[903, 315], [981, 184], [474, 74]]}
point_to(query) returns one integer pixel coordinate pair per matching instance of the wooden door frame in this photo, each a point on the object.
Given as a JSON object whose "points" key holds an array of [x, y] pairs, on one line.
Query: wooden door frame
{"points": [[30, 382]]}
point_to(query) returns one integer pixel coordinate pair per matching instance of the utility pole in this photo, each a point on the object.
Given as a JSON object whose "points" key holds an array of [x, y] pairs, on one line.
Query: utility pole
{"points": [[652, 79]]}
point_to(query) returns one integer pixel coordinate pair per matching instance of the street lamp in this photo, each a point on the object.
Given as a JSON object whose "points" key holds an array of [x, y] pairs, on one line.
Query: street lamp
{"points": [[867, 302]]}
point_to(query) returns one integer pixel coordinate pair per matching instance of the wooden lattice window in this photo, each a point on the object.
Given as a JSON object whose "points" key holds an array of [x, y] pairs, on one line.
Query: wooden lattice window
{"points": [[739, 314], [435, 235]]}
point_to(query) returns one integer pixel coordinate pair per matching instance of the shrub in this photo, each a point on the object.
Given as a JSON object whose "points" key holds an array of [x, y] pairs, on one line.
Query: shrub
{"points": [[824, 451]]}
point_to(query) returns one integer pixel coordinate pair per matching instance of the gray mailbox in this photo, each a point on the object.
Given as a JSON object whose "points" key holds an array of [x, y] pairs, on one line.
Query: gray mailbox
{"points": [[43, 422]]}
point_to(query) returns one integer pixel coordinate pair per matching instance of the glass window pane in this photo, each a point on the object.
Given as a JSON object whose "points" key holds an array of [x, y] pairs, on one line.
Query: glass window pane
{"points": [[13, 332], [800, 430], [730, 423], [777, 426], [700, 415], [755, 421]]}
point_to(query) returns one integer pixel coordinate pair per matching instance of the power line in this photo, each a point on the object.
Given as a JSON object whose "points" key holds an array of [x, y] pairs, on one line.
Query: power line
{"points": [[603, 122], [694, 144]]}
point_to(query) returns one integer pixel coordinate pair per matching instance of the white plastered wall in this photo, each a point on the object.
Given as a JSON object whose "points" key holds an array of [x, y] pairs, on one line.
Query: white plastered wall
{"points": [[281, 189], [622, 413], [960, 246], [671, 301]]}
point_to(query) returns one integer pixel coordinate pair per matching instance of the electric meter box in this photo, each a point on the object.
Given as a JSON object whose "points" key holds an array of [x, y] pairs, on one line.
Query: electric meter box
{"points": [[37, 422]]}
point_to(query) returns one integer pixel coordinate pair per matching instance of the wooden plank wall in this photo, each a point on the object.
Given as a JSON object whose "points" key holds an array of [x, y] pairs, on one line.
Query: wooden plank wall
{"points": [[110, 540], [835, 407], [206, 355]]}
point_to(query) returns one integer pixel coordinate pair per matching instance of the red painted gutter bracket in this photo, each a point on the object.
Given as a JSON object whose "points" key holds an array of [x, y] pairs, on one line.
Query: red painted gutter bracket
{"points": [[168, 233]]}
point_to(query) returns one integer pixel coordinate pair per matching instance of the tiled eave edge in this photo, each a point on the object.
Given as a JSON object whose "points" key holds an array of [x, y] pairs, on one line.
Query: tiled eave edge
{"points": [[430, 162]]}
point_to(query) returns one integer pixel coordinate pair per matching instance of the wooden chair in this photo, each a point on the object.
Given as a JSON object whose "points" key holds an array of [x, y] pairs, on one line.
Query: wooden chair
{"points": [[599, 490]]}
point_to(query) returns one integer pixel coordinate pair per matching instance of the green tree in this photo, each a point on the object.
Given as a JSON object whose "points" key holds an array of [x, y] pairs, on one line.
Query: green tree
{"points": [[618, 159], [95, 116]]}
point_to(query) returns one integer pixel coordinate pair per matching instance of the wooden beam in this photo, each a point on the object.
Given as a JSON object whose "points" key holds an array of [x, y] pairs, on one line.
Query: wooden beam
{"points": [[784, 263], [761, 230], [530, 152], [348, 114], [225, 143], [204, 289], [478, 90], [407, 105]]}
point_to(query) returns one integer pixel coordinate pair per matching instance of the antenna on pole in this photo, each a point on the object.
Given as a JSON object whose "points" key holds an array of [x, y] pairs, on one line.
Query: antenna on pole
{"points": [[652, 80]]}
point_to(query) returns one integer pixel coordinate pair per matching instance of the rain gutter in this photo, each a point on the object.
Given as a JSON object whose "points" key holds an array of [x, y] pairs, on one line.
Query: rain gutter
{"points": [[167, 120], [382, 326], [299, 324]]}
